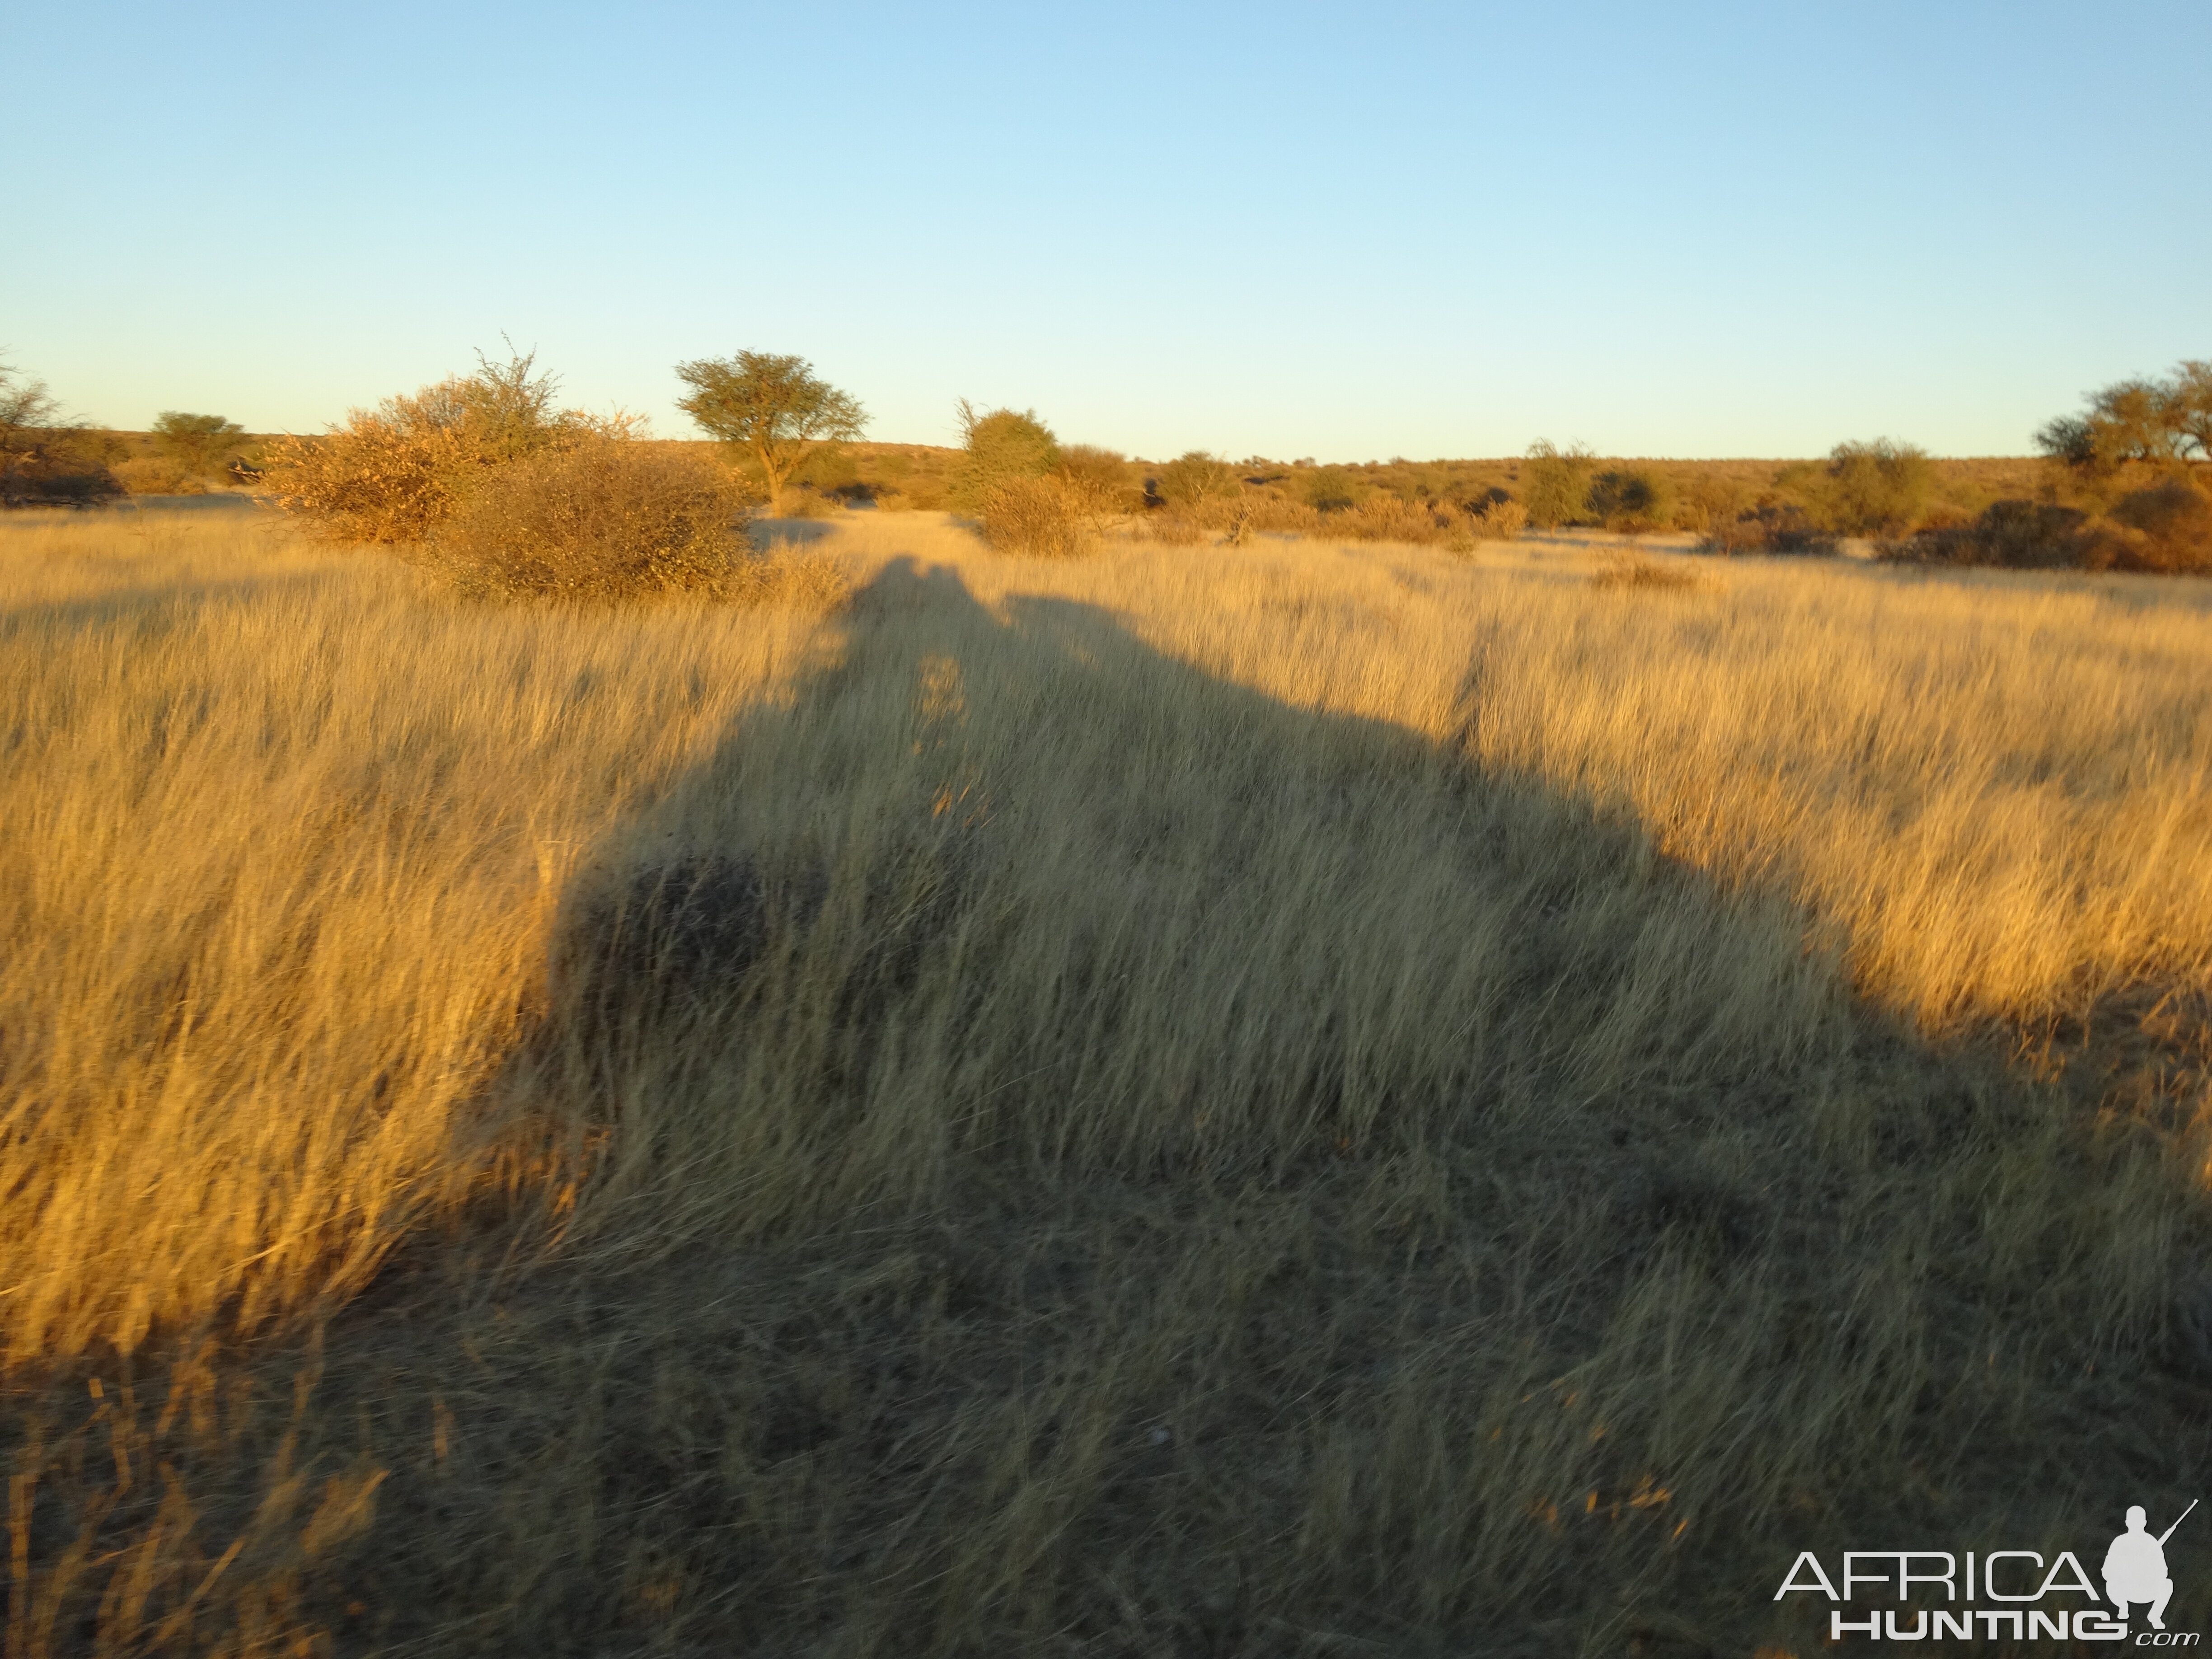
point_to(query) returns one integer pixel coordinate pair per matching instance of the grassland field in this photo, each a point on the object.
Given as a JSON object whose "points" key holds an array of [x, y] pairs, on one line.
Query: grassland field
{"points": [[1289, 1099]]}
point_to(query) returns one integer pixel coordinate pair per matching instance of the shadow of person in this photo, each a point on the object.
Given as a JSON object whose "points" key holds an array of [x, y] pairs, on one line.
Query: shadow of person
{"points": [[1144, 915], [1085, 1147]]}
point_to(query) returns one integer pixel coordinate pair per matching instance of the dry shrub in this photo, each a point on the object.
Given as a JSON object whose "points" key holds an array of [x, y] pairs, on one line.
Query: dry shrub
{"points": [[1375, 518], [1771, 527], [1285, 517], [1391, 518], [599, 518], [395, 473], [1634, 570], [1102, 479], [157, 475], [2012, 535], [1174, 528], [1199, 482], [1044, 518], [1500, 521], [2166, 529]]}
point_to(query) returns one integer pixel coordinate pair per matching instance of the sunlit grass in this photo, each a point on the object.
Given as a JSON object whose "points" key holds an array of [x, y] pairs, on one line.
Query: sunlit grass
{"points": [[1251, 1100]]}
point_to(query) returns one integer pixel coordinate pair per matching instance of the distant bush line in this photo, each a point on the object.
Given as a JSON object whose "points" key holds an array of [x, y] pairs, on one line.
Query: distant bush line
{"points": [[2121, 486]]}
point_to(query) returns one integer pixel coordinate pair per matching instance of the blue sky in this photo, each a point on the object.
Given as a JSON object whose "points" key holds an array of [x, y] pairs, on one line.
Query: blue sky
{"points": [[1288, 230]]}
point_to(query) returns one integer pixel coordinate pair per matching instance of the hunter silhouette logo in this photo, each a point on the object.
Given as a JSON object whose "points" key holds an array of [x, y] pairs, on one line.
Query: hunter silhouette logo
{"points": [[2035, 1599], [2134, 1566]]}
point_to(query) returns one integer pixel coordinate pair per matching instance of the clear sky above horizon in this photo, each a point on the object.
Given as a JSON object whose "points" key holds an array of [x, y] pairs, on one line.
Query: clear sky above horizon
{"points": [[1288, 230]]}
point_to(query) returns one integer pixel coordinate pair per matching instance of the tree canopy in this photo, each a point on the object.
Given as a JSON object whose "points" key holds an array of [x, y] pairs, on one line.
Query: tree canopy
{"points": [[198, 442], [775, 409], [2160, 422]]}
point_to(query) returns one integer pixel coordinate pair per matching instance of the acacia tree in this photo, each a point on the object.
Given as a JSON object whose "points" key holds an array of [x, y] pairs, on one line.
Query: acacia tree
{"points": [[776, 409], [2158, 423], [196, 442]]}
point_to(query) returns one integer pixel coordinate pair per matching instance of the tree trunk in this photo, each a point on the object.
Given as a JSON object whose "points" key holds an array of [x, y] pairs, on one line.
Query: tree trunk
{"points": [[775, 481]]}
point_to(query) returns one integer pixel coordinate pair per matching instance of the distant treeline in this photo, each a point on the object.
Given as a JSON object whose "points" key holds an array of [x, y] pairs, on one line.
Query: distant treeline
{"points": [[2119, 486]]}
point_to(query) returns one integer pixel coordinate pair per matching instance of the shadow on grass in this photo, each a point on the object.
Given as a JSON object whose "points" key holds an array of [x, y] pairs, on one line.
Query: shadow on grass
{"points": [[1089, 1158]]}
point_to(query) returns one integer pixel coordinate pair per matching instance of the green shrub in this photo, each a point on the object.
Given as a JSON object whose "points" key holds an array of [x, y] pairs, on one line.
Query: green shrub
{"points": [[197, 444], [999, 448], [1555, 484], [2166, 529], [1198, 482], [598, 517], [1771, 526], [1633, 499], [1878, 489], [1332, 488], [2014, 535]]}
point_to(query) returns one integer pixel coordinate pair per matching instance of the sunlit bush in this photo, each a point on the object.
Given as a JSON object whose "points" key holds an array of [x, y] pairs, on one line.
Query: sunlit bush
{"points": [[1044, 518], [598, 518], [1878, 489], [1555, 484], [1000, 447], [395, 473]]}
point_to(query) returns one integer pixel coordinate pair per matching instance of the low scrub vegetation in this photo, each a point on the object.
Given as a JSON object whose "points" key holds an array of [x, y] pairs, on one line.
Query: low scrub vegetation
{"points": [[1636, 571], [598, 517], [47, 460], [1028, 493], [484, 479], [2165, 529], [396, 473]]}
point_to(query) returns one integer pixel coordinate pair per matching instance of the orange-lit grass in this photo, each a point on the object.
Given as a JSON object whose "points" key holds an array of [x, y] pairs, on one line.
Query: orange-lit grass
{"points": [[1209, 1166], [1996, 792], [277, 850]]}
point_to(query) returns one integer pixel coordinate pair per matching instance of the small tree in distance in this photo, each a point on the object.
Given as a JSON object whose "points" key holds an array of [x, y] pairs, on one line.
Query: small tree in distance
{"points": [[775, 410], [2158, 423], [197, 443]]}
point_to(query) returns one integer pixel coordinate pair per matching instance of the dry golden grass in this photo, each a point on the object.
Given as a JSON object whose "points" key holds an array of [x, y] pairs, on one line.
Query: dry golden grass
{"points": [[1291, 1099], [1638, 570]]}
